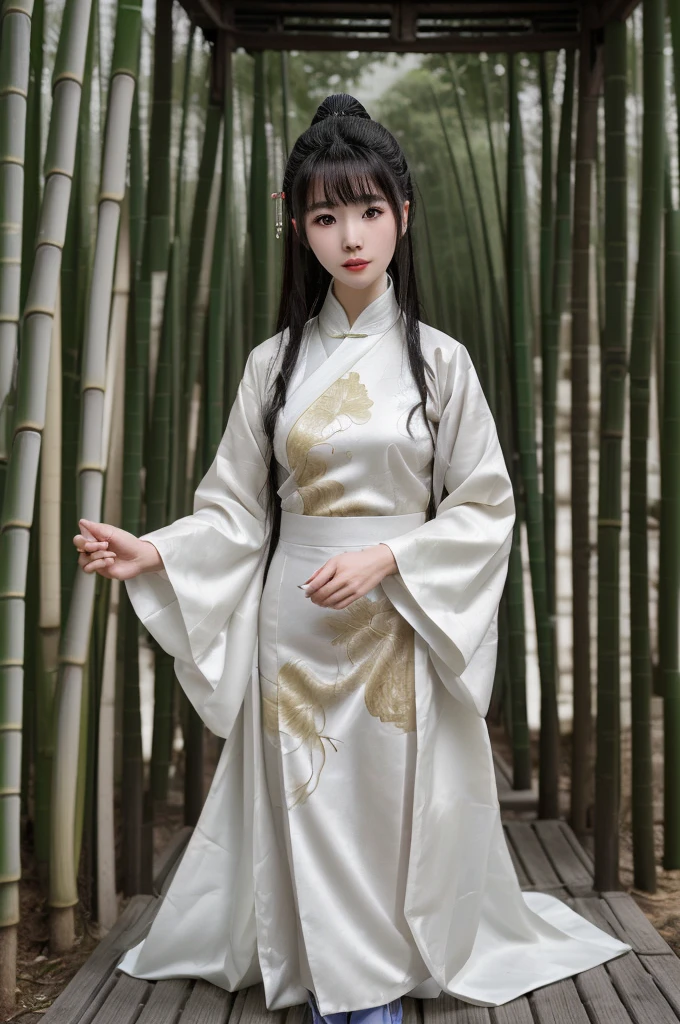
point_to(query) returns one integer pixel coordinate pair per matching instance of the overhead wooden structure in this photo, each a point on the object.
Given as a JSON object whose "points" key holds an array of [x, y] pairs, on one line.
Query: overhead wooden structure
{"points": [[405, 26]]}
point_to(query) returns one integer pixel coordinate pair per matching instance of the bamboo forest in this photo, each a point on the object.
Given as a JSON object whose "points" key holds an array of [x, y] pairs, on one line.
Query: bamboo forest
{"points": [[140, 144]]}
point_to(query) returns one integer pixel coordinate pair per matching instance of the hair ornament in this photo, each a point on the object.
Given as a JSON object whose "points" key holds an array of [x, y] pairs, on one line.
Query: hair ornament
{"points": [[278, 196]]}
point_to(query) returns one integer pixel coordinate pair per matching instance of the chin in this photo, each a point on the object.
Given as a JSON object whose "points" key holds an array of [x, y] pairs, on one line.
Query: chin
{"points": [[362, 280]]}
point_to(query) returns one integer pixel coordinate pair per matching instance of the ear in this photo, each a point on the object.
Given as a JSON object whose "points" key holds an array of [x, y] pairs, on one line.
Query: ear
{"points": [[404, 219]]}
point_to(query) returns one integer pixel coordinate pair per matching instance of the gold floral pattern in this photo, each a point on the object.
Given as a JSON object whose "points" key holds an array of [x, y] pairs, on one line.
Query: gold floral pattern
{"points": [[379, 645], [346, 398]]}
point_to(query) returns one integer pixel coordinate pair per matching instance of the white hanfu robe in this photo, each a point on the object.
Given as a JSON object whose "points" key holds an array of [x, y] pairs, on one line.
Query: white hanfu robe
{"points": [[351, 842]]}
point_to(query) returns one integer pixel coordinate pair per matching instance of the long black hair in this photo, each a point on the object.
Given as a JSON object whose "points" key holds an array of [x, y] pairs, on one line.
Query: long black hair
{"points": [[352, 155]]}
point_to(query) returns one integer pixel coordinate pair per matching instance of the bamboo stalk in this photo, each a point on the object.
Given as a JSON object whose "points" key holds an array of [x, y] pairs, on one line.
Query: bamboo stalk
{"points": [[15, 53], [586, 145], [19, 497], [607, 780], [554, 302], [669, 539], [647, 290], [74, 653], [526, 442], [258, 209]]}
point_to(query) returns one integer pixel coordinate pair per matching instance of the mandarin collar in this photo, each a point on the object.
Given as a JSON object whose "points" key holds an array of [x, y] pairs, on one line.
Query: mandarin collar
{"points": [[377, 317]]}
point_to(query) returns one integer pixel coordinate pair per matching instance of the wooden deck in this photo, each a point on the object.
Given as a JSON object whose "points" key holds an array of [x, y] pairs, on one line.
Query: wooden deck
{"points": [[642, 987]]}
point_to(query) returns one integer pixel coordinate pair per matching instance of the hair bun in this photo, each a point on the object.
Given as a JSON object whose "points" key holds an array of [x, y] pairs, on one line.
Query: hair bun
{"points": [[340, 104]]}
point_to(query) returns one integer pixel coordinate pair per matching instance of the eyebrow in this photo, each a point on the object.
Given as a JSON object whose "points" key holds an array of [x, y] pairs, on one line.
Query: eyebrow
{"points": [[367, 197]]}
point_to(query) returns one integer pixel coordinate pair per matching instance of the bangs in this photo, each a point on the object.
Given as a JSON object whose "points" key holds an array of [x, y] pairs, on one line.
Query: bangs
{"points": [[342, 179]]}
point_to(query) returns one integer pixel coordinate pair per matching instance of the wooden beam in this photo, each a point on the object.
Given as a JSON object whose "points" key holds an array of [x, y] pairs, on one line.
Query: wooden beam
{"points": [[370, 9], [615, 10], [530, 42]]}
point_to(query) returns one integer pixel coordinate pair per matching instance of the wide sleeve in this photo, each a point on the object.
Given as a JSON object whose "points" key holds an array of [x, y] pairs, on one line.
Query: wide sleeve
{"points": [[452, 569], [202, 608]]}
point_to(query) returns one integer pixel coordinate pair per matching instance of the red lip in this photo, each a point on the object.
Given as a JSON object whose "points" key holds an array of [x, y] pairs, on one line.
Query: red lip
{"points": [[355, 263]]}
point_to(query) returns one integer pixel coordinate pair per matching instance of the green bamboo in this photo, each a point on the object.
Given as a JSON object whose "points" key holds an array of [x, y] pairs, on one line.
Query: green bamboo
{"points": [[521, 747], [479, 340], [218, 313], [157, 235], [526, 443], [157, 498], [546, 260], [586, 146], [33, 155], [607, 771], [669, 542], [75, 647], [15, 54], [19, 497], [259, 204], [554, 297], [76, 270], [193, 305], [498, 332], [500, 213], [136, 354], [645, 311]]}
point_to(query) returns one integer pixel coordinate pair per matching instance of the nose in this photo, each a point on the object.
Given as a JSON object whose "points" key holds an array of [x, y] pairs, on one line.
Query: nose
{"points": [[352, 235]]}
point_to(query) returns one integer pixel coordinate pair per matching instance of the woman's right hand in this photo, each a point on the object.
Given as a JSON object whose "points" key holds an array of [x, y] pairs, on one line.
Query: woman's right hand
{"points": [[114, 553]]}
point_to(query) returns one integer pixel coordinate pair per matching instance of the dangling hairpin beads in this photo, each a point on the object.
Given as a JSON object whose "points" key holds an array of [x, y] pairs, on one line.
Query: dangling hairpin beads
{"points": [[278, 196]]}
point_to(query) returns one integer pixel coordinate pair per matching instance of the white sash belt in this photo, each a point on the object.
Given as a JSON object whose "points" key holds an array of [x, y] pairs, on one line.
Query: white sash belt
{"points": [[336, 531]]}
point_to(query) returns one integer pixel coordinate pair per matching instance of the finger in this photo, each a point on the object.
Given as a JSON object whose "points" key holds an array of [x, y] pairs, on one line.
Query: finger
{"points": [[325, 573], [313, 575], [98, 564], [344, 593], [96, 531], [329, 589]]}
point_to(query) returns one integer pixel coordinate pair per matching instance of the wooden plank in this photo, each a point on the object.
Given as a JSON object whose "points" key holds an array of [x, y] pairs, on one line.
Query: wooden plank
{"points": [[560, 892], [539, 870], [446, 1009], [255, 1009], [569, 867], [123, 1003], [71, 1004], [167, 861], [592, 910], [517, 1011], [597, 992], [558, 1003], [578, 848], [642, 935], [302, 1014], [638, 991], [207, 1004], [529, 42], [239, 1003], [522, 876], [502, 770], [164, 1005], [666, 973], [95, 1006]]}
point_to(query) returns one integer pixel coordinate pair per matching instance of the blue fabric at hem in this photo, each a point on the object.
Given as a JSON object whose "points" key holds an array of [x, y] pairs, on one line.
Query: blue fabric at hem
{"points": [[387, 1013]]}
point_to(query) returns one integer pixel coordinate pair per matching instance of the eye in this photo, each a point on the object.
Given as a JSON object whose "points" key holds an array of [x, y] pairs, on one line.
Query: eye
{"points": [[373, 209], [317, 220]]}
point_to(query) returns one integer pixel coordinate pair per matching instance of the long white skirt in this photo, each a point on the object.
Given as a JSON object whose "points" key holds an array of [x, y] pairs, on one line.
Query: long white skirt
{"points": [[338, 716]]}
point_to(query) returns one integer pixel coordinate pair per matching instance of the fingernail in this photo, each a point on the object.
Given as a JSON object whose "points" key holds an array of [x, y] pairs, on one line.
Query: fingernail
{"points": [[303, 586]]}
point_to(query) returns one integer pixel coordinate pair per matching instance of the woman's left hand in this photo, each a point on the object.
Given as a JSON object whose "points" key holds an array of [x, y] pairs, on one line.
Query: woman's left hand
{"points": [[344, 578]]}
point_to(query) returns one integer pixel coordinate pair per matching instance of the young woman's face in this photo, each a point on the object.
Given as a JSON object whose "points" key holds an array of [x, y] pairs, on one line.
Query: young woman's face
{"points": [[363, 231]]}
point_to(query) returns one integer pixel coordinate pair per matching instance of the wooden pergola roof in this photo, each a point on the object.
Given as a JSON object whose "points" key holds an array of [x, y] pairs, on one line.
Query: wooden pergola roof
{"points": [[405, 26]]}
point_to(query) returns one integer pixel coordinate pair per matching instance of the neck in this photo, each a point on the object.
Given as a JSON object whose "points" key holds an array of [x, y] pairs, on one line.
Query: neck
{"points": [[355, 300]]}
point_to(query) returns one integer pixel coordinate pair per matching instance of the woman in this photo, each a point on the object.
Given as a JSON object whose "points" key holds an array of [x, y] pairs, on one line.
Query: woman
{"points": [[350, 850]]}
